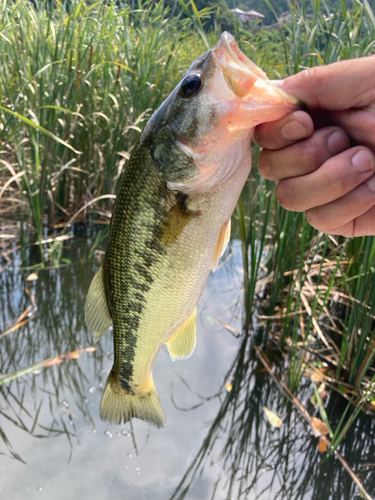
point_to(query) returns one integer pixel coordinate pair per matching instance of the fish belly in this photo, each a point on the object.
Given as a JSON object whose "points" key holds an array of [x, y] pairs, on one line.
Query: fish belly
{"points": [[177, 279]]}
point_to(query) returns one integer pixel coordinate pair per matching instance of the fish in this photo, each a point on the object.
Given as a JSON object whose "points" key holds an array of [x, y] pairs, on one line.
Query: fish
{"points": [[171, 221]]}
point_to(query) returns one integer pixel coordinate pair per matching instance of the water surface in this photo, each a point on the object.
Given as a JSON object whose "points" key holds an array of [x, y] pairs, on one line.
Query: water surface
{"points": [[216, 444]]}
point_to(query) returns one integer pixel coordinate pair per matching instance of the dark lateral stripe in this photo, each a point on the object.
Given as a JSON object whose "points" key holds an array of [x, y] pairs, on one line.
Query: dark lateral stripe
{"points": [[142, 202]]}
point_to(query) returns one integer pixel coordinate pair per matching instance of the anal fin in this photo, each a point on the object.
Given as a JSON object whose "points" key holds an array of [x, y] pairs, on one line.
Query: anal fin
{"points": [[222, 244], [182, 344], [97, 315]]}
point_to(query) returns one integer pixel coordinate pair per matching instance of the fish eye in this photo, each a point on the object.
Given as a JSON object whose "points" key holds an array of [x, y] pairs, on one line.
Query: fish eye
{"points": [[191, 85]]}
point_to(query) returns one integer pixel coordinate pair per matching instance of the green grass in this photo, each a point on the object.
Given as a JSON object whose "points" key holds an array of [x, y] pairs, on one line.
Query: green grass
{"points": [[317, 291], [76, 89], [309, 298]]}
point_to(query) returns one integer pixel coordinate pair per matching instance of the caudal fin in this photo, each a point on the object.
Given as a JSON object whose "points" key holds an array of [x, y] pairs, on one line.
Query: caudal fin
{"points": [[119, 406]]}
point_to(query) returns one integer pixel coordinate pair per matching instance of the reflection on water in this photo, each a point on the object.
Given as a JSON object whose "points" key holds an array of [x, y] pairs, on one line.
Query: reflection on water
{"points": [[216, 445], [258, 461]]}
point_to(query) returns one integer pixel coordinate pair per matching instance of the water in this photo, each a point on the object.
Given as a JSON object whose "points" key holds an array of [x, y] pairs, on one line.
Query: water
{"points": [[216, 444]]}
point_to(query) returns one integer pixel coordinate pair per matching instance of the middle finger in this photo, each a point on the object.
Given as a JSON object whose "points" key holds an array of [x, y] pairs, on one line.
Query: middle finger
{"points": [[303, 157]]}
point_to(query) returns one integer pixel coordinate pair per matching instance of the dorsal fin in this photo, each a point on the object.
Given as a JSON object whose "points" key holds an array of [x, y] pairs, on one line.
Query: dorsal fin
{"points": [[222, 244], [181, 345], [97, 315]]}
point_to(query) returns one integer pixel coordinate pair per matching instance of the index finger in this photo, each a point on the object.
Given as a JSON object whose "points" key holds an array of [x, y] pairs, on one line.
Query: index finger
{"points": [[294, 127]]}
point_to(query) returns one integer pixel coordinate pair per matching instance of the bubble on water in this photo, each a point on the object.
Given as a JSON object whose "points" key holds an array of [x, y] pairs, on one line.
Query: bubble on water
{"points": [[124, 432], [40, 488], [108, 434], [129, 455], [94, 431], [92, 389], [65, 404], [137, 469]]}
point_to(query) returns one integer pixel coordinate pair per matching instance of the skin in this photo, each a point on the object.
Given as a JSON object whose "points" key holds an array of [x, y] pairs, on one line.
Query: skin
{"points": [[323, 159]]}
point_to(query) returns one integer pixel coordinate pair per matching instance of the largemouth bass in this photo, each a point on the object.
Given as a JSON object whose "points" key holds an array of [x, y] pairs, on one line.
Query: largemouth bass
{"points": [[171, 221]]}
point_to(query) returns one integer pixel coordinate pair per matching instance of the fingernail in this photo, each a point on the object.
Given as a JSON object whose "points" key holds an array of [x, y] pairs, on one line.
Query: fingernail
{"points": [[371, 183], [337, 142], [294, 130], [363, 161]]}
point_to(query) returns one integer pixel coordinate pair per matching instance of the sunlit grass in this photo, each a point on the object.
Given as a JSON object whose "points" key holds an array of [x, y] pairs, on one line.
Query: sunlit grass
{"points": [[316, 292], [77, 87]]}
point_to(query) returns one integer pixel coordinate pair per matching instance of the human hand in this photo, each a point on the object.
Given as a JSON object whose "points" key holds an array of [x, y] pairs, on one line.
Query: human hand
{"points": [[324, 159]]}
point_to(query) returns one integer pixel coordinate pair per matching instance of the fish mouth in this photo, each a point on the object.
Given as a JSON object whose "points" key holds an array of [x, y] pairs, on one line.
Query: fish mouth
{"points": [[246, 80]]}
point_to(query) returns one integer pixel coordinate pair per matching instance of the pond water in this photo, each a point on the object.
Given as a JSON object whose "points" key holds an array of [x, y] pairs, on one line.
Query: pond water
{"points": [[217, 443]]}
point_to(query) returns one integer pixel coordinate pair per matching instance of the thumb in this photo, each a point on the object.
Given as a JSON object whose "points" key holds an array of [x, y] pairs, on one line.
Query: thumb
{"points": [[335, 87]]}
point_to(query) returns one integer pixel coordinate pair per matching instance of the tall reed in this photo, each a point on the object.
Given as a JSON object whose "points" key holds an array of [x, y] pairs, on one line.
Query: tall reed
{"points": [[75, 89], [309, 301], [317, 291]]}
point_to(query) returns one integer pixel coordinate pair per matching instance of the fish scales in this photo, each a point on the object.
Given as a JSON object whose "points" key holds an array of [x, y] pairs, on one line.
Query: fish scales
{"points": [[171, 221], [132, 250]]}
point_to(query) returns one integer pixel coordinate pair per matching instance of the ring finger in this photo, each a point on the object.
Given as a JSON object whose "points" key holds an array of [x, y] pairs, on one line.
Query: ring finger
{"points": [[335, 178]]}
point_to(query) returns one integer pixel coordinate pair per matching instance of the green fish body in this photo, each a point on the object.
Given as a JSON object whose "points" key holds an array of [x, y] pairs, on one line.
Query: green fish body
{"points": [[171, 221]]}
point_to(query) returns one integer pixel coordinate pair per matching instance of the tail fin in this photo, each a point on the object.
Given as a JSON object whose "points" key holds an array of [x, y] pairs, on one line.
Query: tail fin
{"points": [[119, 406]]}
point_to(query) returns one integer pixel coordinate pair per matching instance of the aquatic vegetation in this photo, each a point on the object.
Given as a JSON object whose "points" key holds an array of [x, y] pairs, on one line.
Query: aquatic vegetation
{"points": [[310, 295], [75, 89]]}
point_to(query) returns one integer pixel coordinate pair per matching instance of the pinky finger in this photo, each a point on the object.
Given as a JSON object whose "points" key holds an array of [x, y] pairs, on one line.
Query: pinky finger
{"points": [[351, 215]]}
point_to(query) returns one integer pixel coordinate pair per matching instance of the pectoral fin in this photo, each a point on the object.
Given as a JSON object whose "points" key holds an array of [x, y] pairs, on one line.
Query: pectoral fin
{"points": [[222, 244], [181, 345], [97, 315], [175, 221]]}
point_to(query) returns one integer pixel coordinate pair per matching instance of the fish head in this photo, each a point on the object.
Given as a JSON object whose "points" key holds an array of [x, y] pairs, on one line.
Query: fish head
{"points": [[201, 134]]}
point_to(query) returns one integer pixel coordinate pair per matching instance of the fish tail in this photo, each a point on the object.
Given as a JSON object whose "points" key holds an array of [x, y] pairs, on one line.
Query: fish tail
{"points": [[119, 405]]}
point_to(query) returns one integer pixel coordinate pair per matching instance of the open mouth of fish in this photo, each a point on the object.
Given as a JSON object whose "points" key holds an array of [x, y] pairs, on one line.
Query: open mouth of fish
{"points": [[249, 83]]}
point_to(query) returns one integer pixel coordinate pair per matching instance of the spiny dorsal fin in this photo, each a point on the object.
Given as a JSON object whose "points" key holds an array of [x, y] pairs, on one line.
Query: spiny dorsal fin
{"points": [[97, 315], [181, 345], [222, 244]]}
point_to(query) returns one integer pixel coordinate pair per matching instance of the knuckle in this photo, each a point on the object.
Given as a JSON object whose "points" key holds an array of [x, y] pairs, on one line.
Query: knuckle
{"points": [[264, 165], [333, 177], [286, 196], [319, 220], [261, 135], [314, 218], [308, 78]]}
